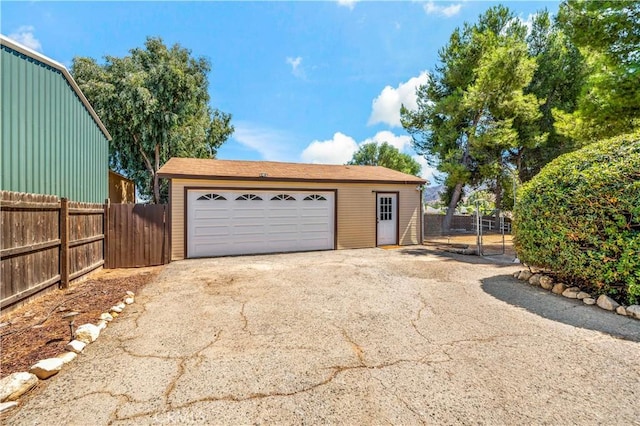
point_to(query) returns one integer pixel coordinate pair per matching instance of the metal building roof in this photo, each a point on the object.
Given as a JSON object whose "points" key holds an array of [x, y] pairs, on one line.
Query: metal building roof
{"points": [[14, 45]]}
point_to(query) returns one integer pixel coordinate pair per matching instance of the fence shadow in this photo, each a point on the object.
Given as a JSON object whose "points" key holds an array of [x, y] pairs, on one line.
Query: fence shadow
{"points": [[567, 311], [498, 261]]}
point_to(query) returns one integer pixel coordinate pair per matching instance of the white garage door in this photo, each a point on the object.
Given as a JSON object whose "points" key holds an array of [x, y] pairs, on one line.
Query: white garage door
{"points": [[222, 222]]}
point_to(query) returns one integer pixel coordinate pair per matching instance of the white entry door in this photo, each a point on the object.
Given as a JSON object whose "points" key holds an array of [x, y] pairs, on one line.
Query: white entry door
{"points": [[230, 222], [387, 216]]}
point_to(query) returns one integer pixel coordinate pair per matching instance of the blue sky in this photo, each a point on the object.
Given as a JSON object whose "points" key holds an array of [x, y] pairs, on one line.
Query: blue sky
{"points": [[304, 81]]}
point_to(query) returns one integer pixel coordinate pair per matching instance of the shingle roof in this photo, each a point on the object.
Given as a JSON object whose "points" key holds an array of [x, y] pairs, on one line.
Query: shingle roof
{"points": [[195, 168]]}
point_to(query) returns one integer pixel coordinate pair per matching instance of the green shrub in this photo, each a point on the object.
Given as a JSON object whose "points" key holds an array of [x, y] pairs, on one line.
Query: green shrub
{"points": [[580, 217]]}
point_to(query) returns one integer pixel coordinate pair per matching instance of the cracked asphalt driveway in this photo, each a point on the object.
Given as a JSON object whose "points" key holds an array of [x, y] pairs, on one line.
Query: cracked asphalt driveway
{"points": [[369, 336]]}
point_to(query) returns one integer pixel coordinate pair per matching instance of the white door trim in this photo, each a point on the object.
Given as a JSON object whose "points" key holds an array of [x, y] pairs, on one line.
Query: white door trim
{"points": [[387, 208]]}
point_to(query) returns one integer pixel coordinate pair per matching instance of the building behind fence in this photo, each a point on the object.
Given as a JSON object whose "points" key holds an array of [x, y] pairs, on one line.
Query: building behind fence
{"points": [[51, 139]]}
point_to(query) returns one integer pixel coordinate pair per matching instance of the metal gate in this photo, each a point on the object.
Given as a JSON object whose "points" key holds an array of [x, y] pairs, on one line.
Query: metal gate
{"points": [[481, 232], [490, 233]]}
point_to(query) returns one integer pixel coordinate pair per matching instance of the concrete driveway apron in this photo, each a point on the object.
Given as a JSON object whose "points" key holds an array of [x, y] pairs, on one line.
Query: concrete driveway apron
{"points": [[368, 336]]}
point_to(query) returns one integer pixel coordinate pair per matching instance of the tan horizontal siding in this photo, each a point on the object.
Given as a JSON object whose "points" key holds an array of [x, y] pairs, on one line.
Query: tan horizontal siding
{"points": [[356, 209], [409, 208], [356, 216]]}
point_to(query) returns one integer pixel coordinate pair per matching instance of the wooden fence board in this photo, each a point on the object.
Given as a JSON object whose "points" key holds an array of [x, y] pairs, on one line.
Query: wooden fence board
{"points": [[137, 235], [47, 240], [40, 244]]}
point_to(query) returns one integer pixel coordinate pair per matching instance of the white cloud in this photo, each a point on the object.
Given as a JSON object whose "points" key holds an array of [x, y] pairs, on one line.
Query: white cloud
{"points": [[337, 150], [427, 172], [296, 66], [401, 143], [340, 148], [25, 35], [273, 145], [528, 22], [435, 9], [386, 107], [348, 3]]}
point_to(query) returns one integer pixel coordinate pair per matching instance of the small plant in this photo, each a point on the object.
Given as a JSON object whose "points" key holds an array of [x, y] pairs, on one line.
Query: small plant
{"points": [[580, 217]]}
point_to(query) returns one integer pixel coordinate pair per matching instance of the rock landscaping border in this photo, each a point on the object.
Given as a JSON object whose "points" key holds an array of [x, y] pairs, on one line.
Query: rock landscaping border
{"points": [[13, 386], [540, 279]]}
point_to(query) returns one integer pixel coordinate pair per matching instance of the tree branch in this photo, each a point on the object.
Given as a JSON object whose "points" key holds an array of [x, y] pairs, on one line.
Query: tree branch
{"points": [[144, 156]]}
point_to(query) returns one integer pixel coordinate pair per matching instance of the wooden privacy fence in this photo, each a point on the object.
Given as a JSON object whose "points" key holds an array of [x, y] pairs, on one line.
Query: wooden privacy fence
{"points": [[137, 235], [45, 241], [48, 240]]}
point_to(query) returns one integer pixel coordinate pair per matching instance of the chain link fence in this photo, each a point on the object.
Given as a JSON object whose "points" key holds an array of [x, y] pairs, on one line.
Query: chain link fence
{"points": [[470, 234]]}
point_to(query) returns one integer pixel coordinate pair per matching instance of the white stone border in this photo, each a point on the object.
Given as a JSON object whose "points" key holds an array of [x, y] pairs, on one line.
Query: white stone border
{"points": [[15, 385], [540, 279]]}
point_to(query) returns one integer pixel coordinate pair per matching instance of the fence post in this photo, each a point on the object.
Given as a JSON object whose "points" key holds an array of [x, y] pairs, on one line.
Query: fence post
{"points": [[64, 243], [165, 234], [105, 232]]}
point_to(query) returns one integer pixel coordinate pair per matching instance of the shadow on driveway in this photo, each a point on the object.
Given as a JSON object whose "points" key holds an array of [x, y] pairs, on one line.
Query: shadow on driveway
{"points": [[556, 308], [499, 261]]}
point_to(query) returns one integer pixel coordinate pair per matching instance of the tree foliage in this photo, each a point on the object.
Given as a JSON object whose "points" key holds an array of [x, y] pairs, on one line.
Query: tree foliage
{"points": [[474, 115], [608, 35], [580, 217], [372, 154], [154, 102], [558, 79]]}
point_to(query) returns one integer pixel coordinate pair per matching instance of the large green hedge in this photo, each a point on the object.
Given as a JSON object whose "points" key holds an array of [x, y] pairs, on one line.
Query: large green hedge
{"points": [[580, 217]]}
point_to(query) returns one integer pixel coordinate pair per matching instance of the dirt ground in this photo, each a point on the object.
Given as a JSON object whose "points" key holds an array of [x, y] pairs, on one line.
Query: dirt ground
{"points": [[492, 243], [37, 330]]}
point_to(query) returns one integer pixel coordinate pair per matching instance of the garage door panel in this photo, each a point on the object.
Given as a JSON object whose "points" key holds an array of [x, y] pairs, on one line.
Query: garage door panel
{"points": [[314, 229], [247, 214], [217, 214], [209, 231], [314, 212], [242, 231], [258, 221], [275, 228], [281, 213]]}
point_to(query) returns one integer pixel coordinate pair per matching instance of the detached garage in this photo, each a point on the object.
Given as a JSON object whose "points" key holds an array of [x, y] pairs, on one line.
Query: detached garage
{"points": [[223, 207]]}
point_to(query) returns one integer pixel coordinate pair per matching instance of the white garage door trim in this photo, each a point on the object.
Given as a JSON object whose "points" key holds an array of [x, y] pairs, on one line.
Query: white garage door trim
{"points": [[232, 221]]}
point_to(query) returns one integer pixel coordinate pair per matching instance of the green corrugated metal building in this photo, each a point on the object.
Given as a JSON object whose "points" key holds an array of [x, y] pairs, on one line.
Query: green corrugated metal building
{"points": [[52, 140]]}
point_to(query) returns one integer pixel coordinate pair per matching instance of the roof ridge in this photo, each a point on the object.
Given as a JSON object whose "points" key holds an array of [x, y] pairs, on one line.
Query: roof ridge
{"points": [[217, 169]]}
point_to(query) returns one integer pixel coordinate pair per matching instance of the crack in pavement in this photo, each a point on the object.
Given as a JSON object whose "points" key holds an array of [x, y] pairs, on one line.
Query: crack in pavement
{"points": [[357, 349], [335, 371], [139, 314], [181, 370], [245, 320], [117, 396], [404, 402], [482, 339], [419, 317], [171, 386]]}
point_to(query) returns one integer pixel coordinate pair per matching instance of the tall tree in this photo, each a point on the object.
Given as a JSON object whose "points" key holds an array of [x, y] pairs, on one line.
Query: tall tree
{"points": [[558, 79], [473, 114], [372, 154], [608, 35], [155, 103]]}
